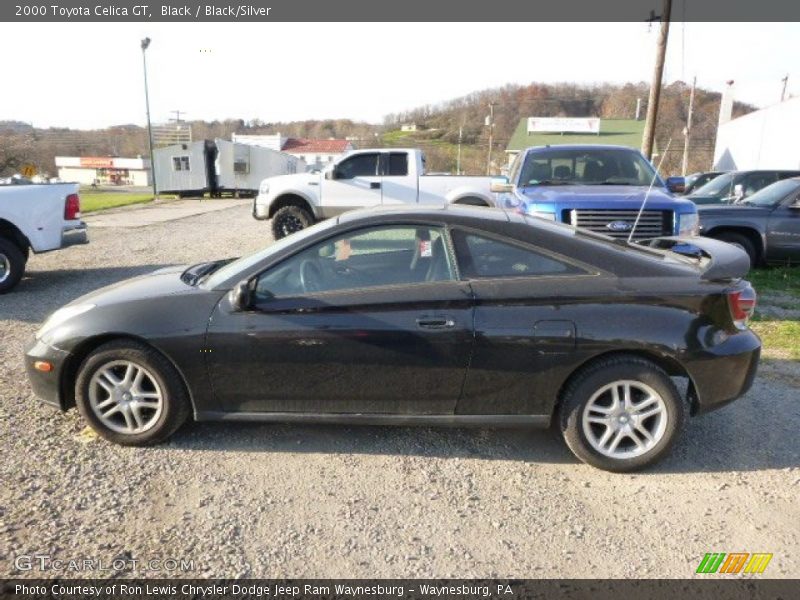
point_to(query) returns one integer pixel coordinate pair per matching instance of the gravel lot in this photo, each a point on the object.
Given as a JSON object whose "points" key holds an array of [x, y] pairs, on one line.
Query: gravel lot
{"points": [[324, 501]]}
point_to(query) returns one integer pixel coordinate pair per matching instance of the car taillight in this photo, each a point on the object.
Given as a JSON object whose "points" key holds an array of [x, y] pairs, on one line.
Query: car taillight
{"points": [[742, 304], [72, 208]]}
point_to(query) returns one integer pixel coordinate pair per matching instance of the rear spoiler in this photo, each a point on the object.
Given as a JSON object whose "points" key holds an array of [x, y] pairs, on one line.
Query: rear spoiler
{"points": [[723, 261]]}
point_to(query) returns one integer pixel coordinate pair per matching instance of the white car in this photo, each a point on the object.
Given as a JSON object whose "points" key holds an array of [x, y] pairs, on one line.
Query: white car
{"points": [[38, 217], [363, 178]]}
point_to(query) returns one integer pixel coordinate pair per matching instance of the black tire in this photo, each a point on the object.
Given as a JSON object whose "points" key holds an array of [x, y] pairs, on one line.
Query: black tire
{"points": [[175, 401], [12, 265], [290, 219], [594, 378], [738, 239], [471, 201]]}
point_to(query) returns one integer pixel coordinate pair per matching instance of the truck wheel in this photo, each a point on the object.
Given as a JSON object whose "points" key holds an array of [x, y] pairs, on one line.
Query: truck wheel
{"points": [[621, 414], [742, 241], [290, 219], [12, 265]]}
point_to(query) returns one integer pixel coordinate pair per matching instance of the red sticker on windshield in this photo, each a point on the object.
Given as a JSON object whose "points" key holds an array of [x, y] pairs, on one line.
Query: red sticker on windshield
{"points": [[425, 249]]}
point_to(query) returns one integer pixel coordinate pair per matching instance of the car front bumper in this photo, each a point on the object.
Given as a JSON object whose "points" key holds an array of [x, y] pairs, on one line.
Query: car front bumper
{"points": [[725, 372], [261, 207], [46, 385]]}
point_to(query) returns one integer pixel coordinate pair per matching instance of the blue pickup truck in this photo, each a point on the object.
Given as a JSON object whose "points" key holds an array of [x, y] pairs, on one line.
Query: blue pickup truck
{"points": [[597, 187]]}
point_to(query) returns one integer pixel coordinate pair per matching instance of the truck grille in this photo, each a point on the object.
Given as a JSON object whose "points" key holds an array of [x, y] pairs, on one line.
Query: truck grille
{"points": [[618, 223]]}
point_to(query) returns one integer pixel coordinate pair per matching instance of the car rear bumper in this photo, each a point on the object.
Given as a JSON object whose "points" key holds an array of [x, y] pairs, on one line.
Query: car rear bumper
{"points": [[46, 385], [725, 372], [74, 235]]}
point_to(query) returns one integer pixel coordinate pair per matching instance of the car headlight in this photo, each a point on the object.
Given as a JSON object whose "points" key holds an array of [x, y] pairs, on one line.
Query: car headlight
{"points": [[62, 315], [688, 224], [549, 216]]}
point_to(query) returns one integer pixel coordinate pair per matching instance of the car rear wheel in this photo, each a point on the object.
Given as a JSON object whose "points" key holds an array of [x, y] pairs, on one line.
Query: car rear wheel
{"points": [[742, 241], [621, 414], [12, 265], [130, 394], [289, 220]]}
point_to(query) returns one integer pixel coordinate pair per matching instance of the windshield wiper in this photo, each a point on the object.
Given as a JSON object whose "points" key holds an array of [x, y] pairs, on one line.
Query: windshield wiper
{"points": [[553, 182]]}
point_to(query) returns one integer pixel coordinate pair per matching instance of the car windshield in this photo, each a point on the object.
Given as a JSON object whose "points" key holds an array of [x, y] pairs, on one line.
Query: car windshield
{"points": [[717, 187], [586, 166], [772, 194], [243, 264]]}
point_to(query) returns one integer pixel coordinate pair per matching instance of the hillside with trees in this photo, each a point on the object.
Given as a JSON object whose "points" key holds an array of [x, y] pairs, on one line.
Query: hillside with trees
{"points": [[438, 127]]}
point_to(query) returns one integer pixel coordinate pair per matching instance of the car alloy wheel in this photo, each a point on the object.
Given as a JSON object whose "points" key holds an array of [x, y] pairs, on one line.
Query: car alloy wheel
{"points": [[125, 397], [624, 419], [5, 268]]}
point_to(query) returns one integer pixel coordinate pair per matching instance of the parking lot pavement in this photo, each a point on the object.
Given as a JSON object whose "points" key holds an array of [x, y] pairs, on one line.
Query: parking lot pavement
{"points": [[324, 501], [150, 214]]}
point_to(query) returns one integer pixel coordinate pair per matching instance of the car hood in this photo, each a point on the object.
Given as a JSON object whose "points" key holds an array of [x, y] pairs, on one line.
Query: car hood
{"points": [[601, 195], [160, 283], [293, 180]]}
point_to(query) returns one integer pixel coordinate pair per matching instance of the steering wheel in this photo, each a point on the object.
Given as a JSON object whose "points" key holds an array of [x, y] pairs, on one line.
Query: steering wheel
{"points": [[311, 278]]}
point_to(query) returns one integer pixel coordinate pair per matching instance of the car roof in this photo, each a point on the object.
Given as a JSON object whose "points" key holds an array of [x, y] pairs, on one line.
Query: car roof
{"points": [[426, 212], [585, 147]]}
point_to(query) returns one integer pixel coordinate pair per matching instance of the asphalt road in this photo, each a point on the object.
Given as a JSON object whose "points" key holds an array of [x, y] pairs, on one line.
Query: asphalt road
{"points": [[326, 501]]}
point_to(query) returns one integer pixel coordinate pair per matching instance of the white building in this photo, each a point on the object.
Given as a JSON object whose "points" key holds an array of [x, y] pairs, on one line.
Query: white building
{"points": [[764, 139], [316, 153], [104, 170]]}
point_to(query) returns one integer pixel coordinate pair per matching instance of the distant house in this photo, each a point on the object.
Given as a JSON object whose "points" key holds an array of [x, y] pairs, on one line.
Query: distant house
{"points": [[315, 152], [764, 139], [534, 131], [408, 127]]}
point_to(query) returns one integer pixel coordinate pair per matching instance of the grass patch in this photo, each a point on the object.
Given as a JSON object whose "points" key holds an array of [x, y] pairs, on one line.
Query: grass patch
{"points": [[780, 336], [785, 280], [93, 201]]}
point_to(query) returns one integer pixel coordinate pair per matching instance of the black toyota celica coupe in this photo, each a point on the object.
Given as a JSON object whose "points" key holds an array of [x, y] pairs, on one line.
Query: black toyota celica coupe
{"points": [[457, 316]]}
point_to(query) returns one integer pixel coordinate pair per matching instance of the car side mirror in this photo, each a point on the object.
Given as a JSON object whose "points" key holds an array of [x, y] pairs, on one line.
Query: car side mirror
{"points": [[676, 185], [500, 185], [331, 173], [241, 296], [795, 205]]}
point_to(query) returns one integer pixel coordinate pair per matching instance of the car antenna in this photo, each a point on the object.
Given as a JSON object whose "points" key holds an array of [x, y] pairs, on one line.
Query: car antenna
{"points": [[647, 194]]}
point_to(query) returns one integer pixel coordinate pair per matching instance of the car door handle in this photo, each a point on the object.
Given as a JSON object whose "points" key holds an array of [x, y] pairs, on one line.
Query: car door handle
{"points": [[435, 323], [374, 185]]}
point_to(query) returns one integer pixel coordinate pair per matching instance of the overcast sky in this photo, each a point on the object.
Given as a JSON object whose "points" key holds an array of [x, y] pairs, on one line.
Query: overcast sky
{"points": [[89, 75]]}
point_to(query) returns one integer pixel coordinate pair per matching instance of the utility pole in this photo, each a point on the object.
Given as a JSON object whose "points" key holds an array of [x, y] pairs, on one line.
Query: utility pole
{"points": [[785, 80], [687, 135], [490, 123], [655, 86], [145, 45], [177, 113], [458, 160]]}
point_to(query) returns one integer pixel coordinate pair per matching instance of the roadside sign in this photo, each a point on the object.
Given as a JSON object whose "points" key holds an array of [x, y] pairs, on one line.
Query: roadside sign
{"points": [[28, 171]]}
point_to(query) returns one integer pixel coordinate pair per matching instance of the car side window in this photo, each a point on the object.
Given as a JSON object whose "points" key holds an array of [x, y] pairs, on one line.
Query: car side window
{"points": [[360, 165], [757, 181], [397, 164], [365, 258], [485, 257]]}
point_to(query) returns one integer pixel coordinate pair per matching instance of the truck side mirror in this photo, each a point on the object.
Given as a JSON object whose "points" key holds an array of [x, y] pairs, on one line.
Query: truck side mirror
{"points": [[500, 185], [331, 173], [241, 297], [676, 185]]}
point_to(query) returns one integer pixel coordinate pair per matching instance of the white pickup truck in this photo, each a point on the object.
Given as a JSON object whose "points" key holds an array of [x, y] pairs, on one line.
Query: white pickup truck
{"points": [[36, 217], [361, 179]]}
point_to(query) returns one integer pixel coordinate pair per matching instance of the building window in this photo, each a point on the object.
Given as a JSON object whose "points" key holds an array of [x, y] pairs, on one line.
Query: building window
{"points": [[241, 166], [180, 163]]}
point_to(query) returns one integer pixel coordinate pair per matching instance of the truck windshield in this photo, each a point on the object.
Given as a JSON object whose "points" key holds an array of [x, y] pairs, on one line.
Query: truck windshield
{"points": [[772, 194], [586, 166], [717, 187]]}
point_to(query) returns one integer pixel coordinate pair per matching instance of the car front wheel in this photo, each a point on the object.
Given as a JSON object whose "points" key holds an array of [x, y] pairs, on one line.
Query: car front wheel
{"points": [[621, 414], [131, 394]]}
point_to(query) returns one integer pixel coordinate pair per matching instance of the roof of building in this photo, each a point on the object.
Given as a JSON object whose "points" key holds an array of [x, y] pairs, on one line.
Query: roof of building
{"points": [[620, 132], [320, 146]]}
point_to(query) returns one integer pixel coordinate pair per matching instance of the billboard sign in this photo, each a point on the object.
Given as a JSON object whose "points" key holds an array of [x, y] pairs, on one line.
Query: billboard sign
{"points": [[563, 125]]}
